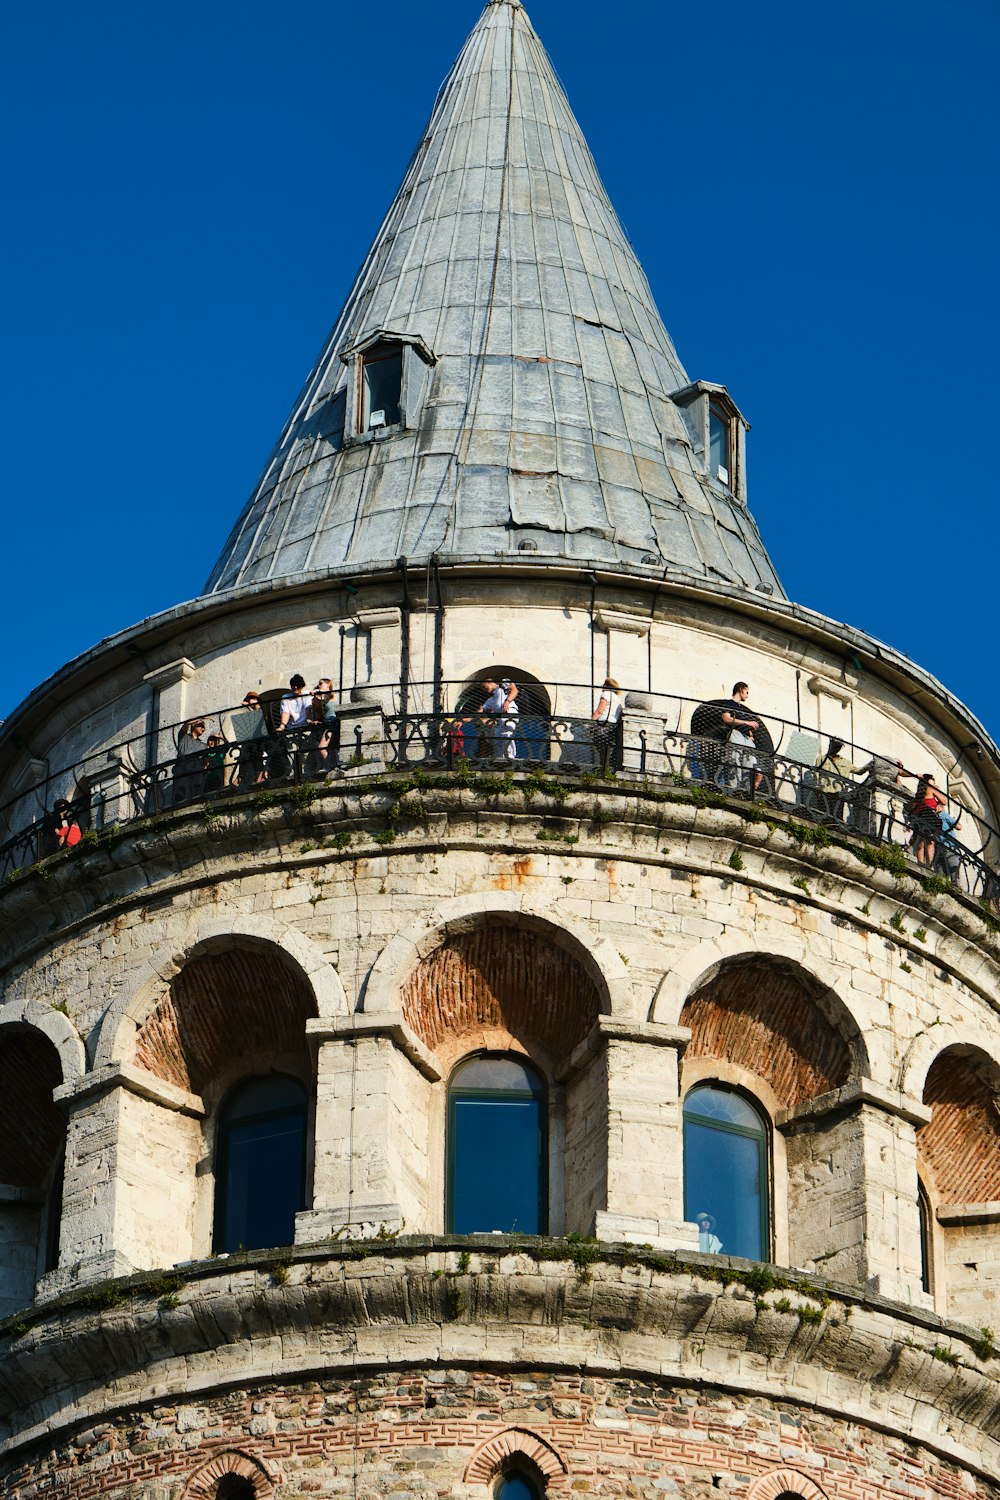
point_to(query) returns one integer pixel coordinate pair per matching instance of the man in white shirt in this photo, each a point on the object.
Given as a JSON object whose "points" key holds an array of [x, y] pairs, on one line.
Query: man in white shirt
{"points": [[295, 705], [500, 701]]}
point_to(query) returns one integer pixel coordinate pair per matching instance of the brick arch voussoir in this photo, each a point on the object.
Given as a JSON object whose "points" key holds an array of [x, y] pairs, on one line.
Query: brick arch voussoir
{"points": [[783, 1482], [123, 1021], [402, 954], [748, 1010], [203, 1484], [491, 1457], [700, 966]]}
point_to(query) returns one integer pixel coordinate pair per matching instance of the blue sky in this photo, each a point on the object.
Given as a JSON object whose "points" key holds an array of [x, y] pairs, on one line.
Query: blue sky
{"points": [[812, 191]]}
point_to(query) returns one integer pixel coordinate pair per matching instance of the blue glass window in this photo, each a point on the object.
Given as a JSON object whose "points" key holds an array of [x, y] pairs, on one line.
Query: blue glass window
{"points": [[261, 1164], [497, 1150], [719, 442], [725, 1172], [381, 384]]}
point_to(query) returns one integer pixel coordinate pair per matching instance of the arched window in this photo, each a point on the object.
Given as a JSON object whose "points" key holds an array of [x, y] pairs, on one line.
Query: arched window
{"points": [[530, 728], [497, 1148], [926, 1243], [513, 1484], [260, 1164], [234, 1487], [725, 1172]]}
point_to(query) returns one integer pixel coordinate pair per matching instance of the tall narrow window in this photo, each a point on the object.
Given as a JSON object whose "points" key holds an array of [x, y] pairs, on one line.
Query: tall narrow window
{"points": [[720, 443], [926, 1253], [381, 386], [260, 1175], [497, 1150], [725, 1172]]}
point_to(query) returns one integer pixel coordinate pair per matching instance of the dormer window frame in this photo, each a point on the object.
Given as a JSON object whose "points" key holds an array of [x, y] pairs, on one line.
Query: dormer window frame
{"points": [[717, 429], [379, 347]]}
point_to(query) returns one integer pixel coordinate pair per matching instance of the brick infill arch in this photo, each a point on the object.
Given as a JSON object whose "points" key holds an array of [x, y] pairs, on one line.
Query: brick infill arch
{"points": [[496, 1454], [203, 1484], [784, 1482], [404, 952]]}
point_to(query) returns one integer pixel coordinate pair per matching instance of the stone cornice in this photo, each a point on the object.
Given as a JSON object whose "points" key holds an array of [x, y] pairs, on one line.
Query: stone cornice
{"points": [[340, 1312], [863, 1091]]}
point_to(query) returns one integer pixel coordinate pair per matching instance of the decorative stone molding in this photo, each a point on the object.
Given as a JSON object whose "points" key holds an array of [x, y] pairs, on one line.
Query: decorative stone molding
{"points": [[840, 692], [852, 1096], [171, 675], [609, 1028], [496, 1455], [145, 1085], [616, 619], [392, 1025], [784, 1482], [204, 1484]]}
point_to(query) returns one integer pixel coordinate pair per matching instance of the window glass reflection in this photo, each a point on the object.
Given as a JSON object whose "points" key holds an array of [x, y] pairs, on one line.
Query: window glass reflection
{"points": [[497, 1154], [725, 1173], [260, 1177]]}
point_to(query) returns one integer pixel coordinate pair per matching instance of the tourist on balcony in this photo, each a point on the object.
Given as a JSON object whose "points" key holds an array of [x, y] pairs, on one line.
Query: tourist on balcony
{"points": [[294, 712], [215, 763], [742, 729], [949, 850], [65, 831], [323, 713], [500, 704], [608, 725], [836, 782], [191, 763], [925, 818], [713, 724], [248, 728]]}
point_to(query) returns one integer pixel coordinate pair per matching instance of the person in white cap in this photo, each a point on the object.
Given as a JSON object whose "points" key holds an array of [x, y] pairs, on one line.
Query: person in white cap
{"points": [[708, 1240]]}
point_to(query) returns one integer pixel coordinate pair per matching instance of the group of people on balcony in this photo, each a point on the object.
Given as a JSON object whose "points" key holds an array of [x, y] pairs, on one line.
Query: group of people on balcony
{"points": [[259, 748], [299, 733]]}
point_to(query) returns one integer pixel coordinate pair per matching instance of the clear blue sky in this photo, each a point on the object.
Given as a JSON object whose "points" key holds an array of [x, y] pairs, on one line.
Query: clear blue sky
{"points": [[188, 191]]}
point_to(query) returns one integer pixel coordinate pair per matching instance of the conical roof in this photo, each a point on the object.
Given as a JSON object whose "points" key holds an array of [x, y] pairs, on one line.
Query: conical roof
{"points": [[540, 421]]}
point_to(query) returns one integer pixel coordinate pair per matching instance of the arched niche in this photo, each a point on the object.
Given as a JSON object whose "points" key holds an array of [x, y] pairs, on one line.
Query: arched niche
{"points": [[532, 695], [122, 1022], [501, 984], [32, 1145], [230, 1004], [772, 1019], [959, 1148]]}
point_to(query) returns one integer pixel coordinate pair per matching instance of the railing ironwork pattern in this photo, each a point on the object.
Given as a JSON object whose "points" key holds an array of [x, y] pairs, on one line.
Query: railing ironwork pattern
{"points": [[124, 784]]}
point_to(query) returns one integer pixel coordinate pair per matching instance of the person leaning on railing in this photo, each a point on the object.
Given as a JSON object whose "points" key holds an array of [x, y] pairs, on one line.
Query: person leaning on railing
{"points": [[607, 717], [929, 802], [835, 777]]}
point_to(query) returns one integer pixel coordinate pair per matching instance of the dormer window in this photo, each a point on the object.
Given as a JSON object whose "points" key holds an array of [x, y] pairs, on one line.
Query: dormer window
{"points": [[388, 378], [717, 431], [720, 442], [381, 386]]}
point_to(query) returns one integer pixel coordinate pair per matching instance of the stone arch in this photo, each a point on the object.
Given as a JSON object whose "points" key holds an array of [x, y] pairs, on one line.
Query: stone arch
{"points": [[959, 1148], [32, 1126], [491, 1457], [784, 1482], [58, 1028], [205, 1482], [926, 1047], [402, 954], [123, 1021], [770, 1016], [698, 963]]}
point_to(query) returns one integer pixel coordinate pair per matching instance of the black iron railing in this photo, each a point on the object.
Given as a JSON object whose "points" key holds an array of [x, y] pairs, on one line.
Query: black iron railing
{"points": [[118, 786]]}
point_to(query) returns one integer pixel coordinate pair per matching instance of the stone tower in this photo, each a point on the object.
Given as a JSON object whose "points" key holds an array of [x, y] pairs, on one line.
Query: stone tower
{"points": [[433, 1099]]}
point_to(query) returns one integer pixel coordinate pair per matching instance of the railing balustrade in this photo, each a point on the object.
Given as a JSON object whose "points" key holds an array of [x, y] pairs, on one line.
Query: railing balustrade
{"points": [[118, 786]]}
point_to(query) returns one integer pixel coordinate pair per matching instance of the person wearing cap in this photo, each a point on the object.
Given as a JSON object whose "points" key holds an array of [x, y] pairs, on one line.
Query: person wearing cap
{"points": [[708, 1240], [247, 729], [500, 702]]}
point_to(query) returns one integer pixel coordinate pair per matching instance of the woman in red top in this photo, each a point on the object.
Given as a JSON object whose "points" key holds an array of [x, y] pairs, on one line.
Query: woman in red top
{"points": [[925, 815], [65, 826]]}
